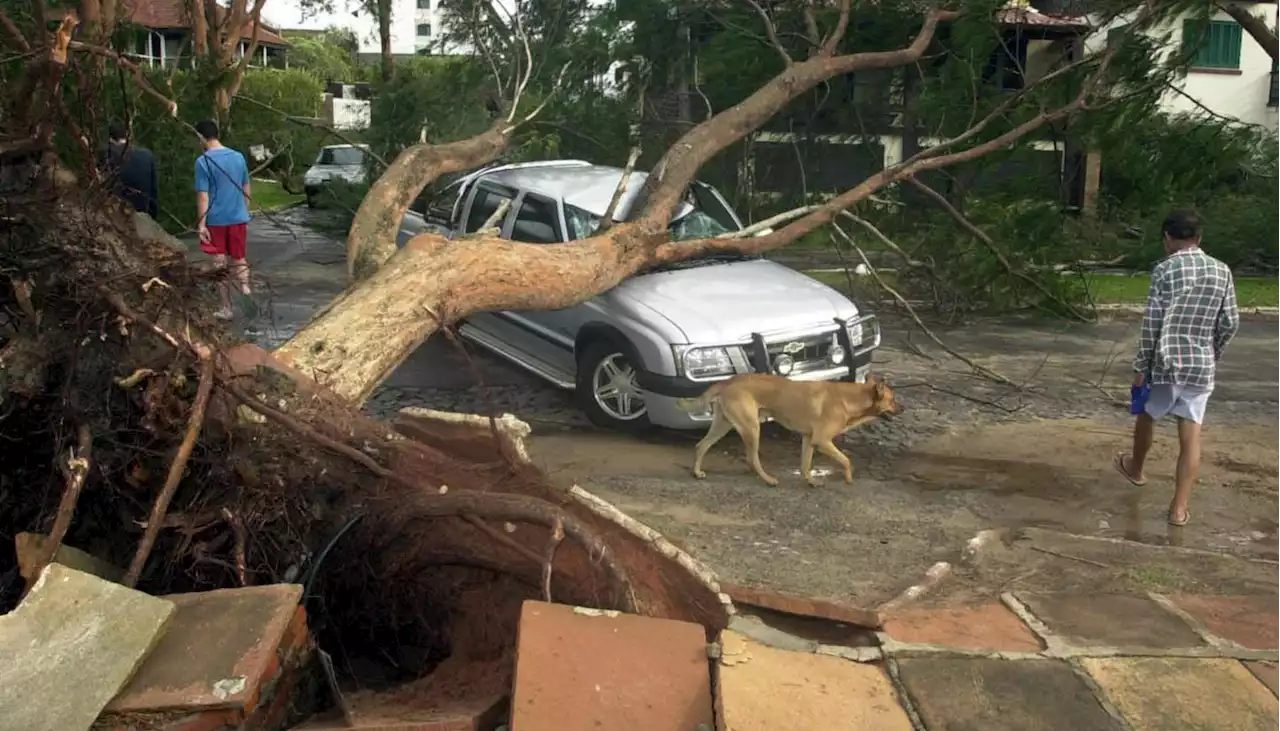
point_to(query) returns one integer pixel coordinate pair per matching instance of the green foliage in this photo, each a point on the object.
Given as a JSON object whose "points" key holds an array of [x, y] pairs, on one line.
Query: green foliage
{"points": [[330, 56]]}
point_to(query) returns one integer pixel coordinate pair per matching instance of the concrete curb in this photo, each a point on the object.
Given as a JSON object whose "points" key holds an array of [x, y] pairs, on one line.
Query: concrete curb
{"points": [[1136, 311]]}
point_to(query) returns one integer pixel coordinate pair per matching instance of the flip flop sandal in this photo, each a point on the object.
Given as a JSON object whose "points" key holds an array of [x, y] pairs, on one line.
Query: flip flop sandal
{"points": [[1118, 462], [1179, 523]]}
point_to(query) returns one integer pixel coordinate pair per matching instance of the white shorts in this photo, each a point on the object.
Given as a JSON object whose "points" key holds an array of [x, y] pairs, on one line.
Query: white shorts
{"points": [[1184, 402]]}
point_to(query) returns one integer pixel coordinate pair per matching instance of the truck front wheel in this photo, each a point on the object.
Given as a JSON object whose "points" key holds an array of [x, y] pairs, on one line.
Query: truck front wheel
{"points": [[607, 389]]}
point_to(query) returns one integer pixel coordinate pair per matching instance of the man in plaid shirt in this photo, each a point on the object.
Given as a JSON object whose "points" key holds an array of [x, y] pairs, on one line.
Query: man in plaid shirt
{"points": [[1191, 316]]}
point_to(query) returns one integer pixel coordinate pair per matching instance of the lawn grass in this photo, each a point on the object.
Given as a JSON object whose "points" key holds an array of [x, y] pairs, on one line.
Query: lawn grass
{"points": [[1109, 289], [268, 195], [1123, 289]]}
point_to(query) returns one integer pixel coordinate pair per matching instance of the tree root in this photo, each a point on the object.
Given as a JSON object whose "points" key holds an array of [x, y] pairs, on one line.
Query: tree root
{"points": [[77, 470], [176, 470]]}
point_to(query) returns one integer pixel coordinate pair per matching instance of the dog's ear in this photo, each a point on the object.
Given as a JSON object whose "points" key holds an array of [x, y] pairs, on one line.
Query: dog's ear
{"points": [[881, 385]]}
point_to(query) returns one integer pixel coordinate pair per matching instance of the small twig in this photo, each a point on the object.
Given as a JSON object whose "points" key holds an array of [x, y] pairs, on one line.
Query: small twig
{"points": [[501, 537], [557, 535], [1069, 557], [176, 470], [312, 123], [772, 31], [77, 470], [981, 370], [606, 220], [986, 240]]}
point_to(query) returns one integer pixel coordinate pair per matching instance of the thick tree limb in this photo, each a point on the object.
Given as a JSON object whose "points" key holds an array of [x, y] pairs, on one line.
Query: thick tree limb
{"points": [[982, 236], [1253, 25], [138, 74], [665, 186], [833, 41], [606, 221], [372, 240], [177, 468], [255, 21]]}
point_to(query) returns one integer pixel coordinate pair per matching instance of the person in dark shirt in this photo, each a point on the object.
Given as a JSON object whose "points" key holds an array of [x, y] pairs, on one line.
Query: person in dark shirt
{"points": [[132, 170]]}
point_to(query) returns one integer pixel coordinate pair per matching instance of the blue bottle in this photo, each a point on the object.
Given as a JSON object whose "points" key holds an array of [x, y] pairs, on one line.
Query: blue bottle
{"points": [[1138, 398]]}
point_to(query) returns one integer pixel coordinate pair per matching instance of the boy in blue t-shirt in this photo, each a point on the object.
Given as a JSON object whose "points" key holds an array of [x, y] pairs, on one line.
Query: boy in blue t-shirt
{"points": [[222, 203]]}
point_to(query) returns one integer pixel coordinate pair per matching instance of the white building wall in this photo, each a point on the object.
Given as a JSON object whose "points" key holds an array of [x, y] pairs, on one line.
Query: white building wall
{"points": [[406, 16], [1241, 96]]}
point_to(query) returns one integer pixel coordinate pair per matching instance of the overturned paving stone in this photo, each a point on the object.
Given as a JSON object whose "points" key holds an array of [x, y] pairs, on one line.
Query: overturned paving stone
{"points": [[1248, 621], [30, 548], [587, 669], [223, 659], [1111, 620], [762, 688], [801, 606], [962, 694], [70, 646], [989, 627], [1184, 694]]}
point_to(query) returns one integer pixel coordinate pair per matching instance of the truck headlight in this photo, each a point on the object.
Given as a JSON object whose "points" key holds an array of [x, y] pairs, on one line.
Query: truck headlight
{"points": [[706, 362]]}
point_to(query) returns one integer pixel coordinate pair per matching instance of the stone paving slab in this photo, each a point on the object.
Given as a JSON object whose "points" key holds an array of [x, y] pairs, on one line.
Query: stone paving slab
{"points": [[69, 647], [966, 694], [585, 669], [763, 688], [1184, 694], [1112, 620], [1248, 621], [220, 649], [987, 627], [1266, 673]]}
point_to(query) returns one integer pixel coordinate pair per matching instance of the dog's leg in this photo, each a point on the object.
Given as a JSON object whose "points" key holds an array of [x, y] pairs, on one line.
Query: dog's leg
{"points": [[720, 426], [751, 442], [806, 462], [828, 448]]}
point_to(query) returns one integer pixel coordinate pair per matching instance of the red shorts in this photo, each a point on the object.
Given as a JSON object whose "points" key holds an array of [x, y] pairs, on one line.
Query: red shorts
{"points": [[227, 241]]}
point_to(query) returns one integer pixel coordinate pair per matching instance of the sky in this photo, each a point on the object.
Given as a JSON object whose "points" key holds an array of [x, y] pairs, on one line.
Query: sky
{"points": [[288, 14]]}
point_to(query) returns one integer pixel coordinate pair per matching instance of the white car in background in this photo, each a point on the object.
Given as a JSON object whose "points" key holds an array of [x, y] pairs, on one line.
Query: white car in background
{"points": [[344, 162]]}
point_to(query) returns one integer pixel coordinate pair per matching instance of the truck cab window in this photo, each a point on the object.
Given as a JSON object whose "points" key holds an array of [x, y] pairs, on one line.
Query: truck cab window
{"points": [[485, 202], [536, 222]]}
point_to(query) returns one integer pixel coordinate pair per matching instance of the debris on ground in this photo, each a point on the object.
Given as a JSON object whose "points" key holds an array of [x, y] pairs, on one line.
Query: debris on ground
{"points": [[70, 646]]}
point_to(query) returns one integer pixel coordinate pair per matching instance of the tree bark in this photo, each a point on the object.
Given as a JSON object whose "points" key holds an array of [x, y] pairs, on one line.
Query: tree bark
{"points": [[383, 11], [355, 342], [1254, 26], [372, 239]]}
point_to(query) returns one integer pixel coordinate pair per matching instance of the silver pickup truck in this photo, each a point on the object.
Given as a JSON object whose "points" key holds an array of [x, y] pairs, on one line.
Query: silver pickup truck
{"points": [[665, 333]]}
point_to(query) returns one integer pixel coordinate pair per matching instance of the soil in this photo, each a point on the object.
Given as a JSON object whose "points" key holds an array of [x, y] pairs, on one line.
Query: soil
{"points": [[967, 455]]}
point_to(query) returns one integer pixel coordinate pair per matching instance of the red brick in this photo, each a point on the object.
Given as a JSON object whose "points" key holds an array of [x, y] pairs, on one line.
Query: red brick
{"points": [[579, 672], [990, 627], [226, 640], [802, 606], [1248, 621]]}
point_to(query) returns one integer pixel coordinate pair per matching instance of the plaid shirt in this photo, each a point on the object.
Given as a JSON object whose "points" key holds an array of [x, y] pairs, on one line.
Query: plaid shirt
{"points": [[1191, 316]]}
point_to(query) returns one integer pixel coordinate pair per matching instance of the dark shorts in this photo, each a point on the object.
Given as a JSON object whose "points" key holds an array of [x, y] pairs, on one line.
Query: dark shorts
{"points": [[229, 241]]}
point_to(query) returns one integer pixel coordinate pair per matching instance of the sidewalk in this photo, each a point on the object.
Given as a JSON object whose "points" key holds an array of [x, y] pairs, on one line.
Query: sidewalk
{"points": [[1028, 661]]}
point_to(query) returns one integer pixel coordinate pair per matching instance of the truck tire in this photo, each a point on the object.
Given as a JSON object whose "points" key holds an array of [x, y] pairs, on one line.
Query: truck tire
{"points": [[606, 388]]}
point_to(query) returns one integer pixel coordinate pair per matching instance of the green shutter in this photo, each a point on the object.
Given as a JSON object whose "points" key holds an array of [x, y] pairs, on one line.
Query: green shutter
{"points": [[1215, 45]]}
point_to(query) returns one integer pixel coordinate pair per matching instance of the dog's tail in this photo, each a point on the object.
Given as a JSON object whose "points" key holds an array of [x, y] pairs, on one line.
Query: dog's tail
{"points": [[697, 402]]}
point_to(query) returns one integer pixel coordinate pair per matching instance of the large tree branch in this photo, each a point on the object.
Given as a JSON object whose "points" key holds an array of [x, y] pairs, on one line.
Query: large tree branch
{"points": [[1254, 26], [667, 182], [372, 239], [15, 35], [255, 20], [772, 31], [833, 41]]}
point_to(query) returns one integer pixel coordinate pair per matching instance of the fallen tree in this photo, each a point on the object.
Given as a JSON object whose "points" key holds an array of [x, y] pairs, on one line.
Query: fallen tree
{"points": [[426, 533]]}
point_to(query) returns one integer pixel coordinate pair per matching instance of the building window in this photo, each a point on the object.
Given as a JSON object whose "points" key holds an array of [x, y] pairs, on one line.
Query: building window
{"points": [[424, 30], [1212, 45], [1274, 96], [424, 4]]}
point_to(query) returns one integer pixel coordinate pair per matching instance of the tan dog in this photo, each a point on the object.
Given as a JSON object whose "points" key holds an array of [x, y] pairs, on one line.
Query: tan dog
{"points": [[818, 410]]}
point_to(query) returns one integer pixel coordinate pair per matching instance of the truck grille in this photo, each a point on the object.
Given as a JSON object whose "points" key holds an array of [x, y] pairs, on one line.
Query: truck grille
{"points": [[809, 353]]}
